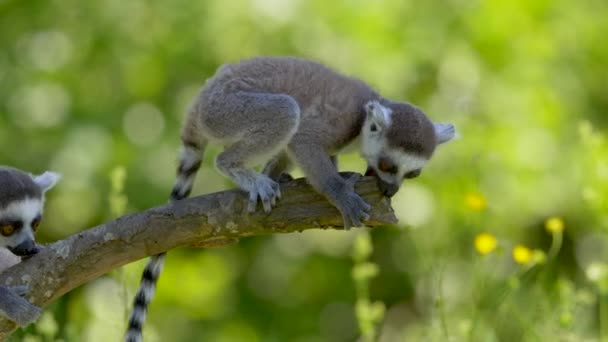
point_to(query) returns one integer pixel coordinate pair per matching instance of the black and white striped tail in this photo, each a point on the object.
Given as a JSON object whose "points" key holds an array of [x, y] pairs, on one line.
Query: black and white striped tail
{"points": [[190, 162], [144, 295]]}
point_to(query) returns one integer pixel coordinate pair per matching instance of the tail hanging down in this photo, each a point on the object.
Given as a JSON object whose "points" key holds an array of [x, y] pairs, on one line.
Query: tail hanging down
{"points": [[189, 164]]}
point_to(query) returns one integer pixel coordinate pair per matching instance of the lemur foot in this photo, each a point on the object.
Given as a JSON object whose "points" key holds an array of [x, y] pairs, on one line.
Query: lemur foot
{"points": [[27, 315], [20, 290], [16, 308], [353, 208], [266, 190]]}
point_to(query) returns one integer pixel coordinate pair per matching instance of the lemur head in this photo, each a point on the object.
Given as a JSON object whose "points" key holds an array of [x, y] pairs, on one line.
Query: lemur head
{"points": [[21, 205], [398, 140]]}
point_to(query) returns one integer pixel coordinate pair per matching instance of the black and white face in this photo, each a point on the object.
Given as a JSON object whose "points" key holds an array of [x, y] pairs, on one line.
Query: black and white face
{"points": [[18, 223], [21, 207], [390, 166], [393, 161], [390, 175]]}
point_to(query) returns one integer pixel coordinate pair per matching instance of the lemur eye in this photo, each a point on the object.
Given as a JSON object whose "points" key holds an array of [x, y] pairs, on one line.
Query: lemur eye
{"points": [[7, 229], [386, 166], [36, 223], [373, 128], [412, 174]]}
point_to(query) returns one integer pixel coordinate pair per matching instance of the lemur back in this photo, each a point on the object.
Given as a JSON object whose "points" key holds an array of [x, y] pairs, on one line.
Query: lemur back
{"points": [[280, 111]]}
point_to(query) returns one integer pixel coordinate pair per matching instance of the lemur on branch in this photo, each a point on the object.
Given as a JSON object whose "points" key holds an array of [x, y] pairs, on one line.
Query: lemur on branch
{"points": [[281, 111]]}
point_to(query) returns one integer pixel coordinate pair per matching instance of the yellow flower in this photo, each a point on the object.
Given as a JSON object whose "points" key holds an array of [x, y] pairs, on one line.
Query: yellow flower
{"points": [[554, 225], [522, 254], [475, 201], [485, 243]]}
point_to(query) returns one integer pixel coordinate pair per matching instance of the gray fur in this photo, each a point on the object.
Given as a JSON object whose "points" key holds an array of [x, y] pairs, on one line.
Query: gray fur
{"points": [[16, 308], [21, 201], [263, 107], [264, 110], [280, 111], [411, 130], [16, 185]]}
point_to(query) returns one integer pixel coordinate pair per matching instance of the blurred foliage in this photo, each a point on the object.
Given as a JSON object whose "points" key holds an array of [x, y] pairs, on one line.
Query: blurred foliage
{"points": [[369, 314], [86, 86]]}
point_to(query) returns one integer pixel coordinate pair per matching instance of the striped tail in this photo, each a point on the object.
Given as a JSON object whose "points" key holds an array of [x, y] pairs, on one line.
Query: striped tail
{"points": [[189, 164], [144, 295]]}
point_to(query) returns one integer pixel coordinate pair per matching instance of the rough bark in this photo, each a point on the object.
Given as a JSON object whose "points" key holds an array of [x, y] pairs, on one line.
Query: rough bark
{"points": [[210, 220]]}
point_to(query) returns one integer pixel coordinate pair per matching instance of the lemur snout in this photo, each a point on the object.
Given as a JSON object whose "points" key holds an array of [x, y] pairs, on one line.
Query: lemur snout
{"points": [[387, 189], [26, 248]]}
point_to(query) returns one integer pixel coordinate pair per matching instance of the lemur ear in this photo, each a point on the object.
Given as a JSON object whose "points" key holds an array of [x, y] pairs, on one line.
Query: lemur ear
{"points": [[444, 132], [46, 180], [378, 114]]}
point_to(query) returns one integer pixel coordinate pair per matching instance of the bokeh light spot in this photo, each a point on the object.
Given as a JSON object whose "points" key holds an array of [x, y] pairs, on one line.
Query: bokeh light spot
{"points": [[42, 105], [104, 297], [475, 201], [414, 204], [590, 249], [48, 50], [85, 150], [143, 124]]}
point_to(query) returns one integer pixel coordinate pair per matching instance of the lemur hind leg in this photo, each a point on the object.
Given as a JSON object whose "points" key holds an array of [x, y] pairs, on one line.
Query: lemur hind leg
{"points": [[259, 127]]}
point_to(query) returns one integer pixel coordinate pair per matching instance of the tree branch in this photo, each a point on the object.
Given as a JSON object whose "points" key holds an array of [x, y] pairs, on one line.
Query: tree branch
{"points": [[210, 220]]}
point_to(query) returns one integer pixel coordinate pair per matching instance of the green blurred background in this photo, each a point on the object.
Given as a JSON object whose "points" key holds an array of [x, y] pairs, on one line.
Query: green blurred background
{"points": [[89, 86]]}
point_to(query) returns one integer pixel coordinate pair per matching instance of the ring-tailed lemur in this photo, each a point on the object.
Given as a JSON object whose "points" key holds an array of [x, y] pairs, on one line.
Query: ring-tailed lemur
{"points": [[285, 110], [21, 205]]}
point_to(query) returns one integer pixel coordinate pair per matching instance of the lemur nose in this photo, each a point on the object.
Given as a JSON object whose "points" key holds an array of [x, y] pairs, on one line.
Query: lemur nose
{"points": [[26, 248], [387, 189]]}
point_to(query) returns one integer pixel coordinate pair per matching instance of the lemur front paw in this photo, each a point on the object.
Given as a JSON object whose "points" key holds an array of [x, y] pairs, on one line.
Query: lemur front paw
{"points": [[27, 315], [20, 290], [353, 208], [16, 308], [266, 190]]}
